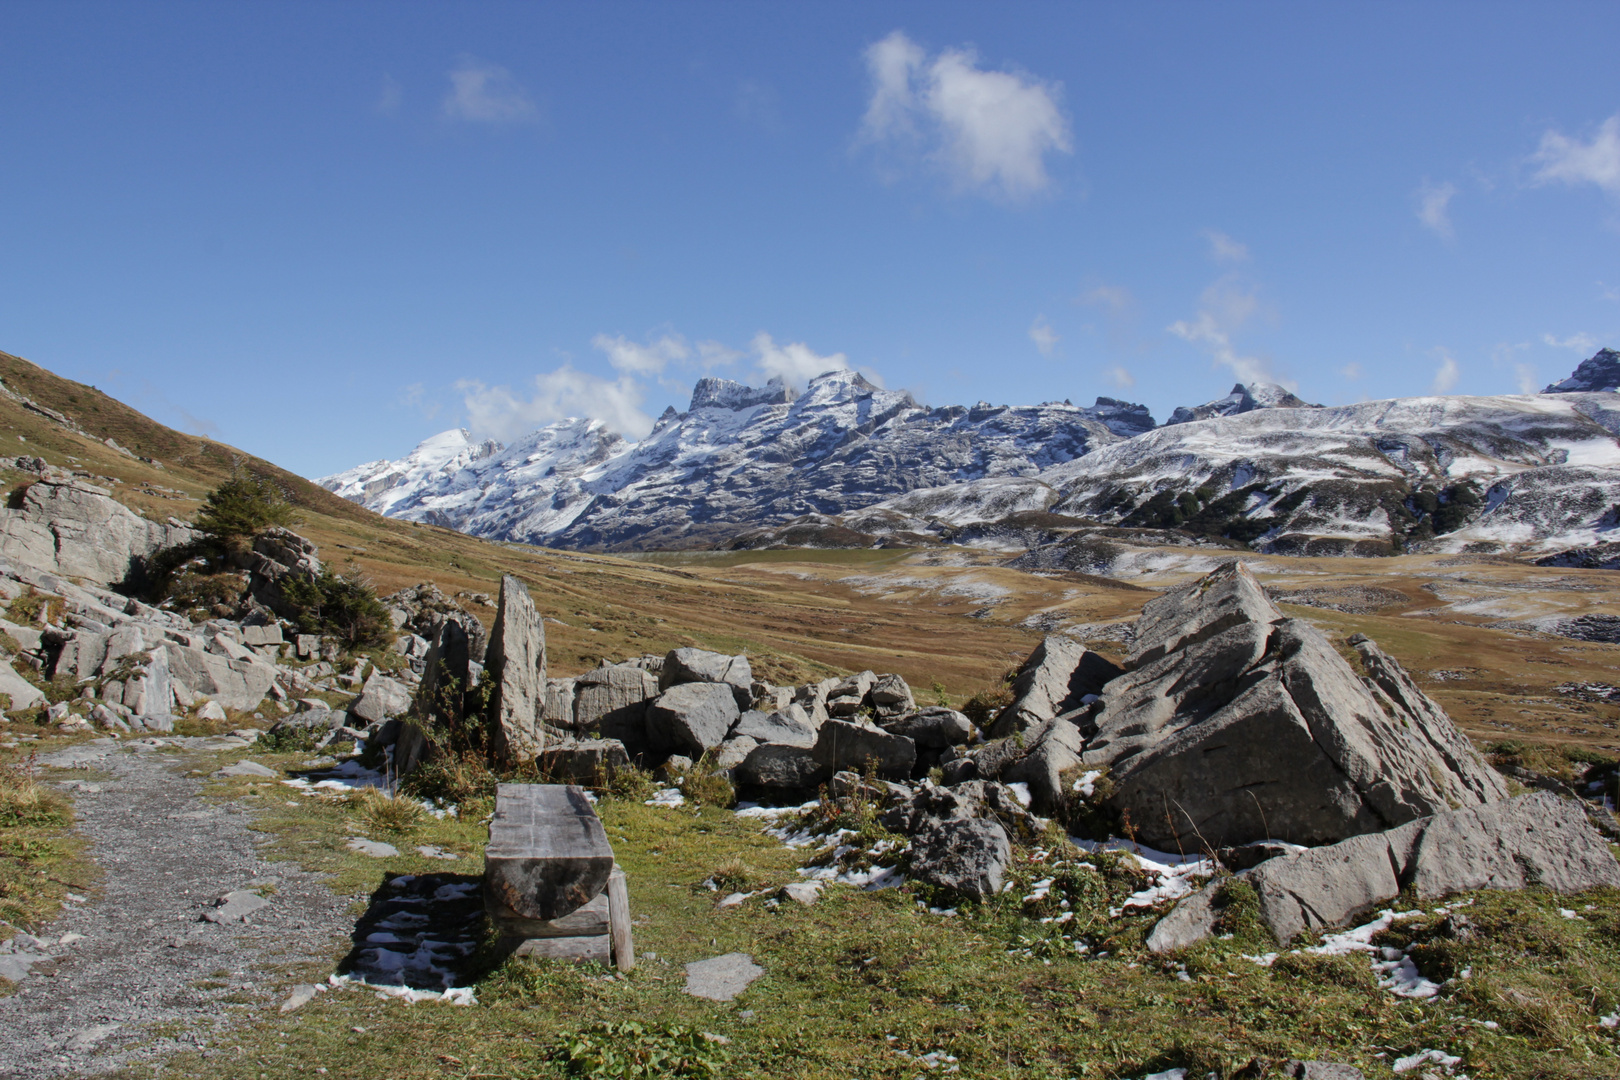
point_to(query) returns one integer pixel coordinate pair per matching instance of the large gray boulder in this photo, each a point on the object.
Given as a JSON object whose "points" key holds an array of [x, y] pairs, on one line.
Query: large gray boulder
{"points": [[515, 664], [890, 696], [1038, 757], [78, 530], [582, 761], [19, 692], [839, 745], [559, 703], [612, 702], [382, 697], [1055, 679], [788, 726], [691, 718], [235, 684], [278, 558], [699, 665], [1538, 839], [933, 728], [966, 856], [447, 673], [1236, 724]]}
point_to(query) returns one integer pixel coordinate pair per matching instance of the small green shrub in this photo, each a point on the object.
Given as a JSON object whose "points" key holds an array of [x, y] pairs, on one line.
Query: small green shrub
{"points": [[705, 787], [289, 740], [461, 779], [342, 605], [241, 508], [630, 784]]}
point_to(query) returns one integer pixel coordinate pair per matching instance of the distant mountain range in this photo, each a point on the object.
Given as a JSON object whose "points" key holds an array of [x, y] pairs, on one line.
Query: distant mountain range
{"points": [[849, 463]]}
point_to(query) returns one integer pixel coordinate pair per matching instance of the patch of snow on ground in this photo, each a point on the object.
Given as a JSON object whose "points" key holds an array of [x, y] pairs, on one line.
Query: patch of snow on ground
{"points": [[1424, 1057], [1087, 784], [455, 995], [1172, 875], [669, 796]]}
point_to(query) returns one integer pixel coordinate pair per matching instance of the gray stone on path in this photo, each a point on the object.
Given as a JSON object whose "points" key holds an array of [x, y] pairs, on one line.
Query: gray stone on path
{"points": [[235, 907], [375, 848], [247, 768], [301, 995], [88, 1038], [723, 977], [15, 966]]}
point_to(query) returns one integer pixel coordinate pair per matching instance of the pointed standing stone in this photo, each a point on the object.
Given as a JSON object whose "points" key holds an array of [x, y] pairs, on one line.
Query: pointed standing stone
{"points": [[516, 660]]}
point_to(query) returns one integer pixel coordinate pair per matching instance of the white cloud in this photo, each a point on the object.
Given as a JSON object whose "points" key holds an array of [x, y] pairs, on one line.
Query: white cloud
{"points": [[1351, 371], [1224, 249], [1581, 343], [991, 131], [1525, 376], [713, 354], [486, 93], [1571, 161], [1116, 299], [650, 359], [796, 363], [1045, 338], [1118, 377], [497, 412], [1222, 310], [1445, 376], [1434, 208]]}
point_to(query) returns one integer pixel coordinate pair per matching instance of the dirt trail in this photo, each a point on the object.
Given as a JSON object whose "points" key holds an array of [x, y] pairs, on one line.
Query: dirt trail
{"points": [[147, 958]]}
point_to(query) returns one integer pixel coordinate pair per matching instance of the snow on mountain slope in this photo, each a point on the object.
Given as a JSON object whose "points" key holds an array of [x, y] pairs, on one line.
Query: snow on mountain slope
{"points": [[1365, 478], [1242, 399], [738, 458]]}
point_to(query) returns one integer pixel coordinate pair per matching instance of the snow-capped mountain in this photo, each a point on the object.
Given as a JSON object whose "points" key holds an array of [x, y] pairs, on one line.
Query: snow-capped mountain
{"points": [[1371, 478], [1242, 399], [1259, 466], [738, 457]]}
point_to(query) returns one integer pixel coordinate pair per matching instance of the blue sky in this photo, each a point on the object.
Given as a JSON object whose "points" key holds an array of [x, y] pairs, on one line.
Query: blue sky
{"points": [[323, 232]]}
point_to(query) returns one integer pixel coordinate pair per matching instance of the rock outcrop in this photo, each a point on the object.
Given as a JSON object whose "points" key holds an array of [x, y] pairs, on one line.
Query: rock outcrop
{"points": [[515, 664], [77, 529], [1538, 839], [1236, 724], [1060, 676]]}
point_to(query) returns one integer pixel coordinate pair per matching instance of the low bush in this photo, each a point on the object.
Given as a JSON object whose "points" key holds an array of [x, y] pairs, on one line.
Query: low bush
{"points": [[630, 1051]]}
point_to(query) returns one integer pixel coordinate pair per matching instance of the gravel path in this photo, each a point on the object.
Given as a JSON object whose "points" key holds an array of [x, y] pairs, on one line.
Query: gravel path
{"points": [[147, 956]]}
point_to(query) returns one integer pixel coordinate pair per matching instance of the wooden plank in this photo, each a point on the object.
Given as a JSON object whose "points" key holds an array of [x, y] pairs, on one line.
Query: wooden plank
{"points": [[548, 855], [618, 896], [588, 921]]}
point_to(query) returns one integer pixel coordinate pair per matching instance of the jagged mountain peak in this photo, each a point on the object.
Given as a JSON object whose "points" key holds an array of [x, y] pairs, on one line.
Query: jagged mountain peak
{"points": [[1598, 372], [715, 393], [1242, 399]]}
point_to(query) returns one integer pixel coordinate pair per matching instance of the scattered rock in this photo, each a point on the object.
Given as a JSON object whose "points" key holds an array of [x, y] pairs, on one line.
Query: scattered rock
{"points": [[1056, 678], [375, 848], [610, 701], [968, 857], [211, 710], [1320, 1070], [381, 699], [247, 768], [89, 1038], [238, 905], [801, 892], [723, 977], [301, 995]]}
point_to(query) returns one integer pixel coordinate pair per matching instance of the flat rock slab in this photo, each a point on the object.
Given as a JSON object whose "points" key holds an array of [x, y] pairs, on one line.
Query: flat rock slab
{"points": [[547, 855], [235, 906], [14, 967], [723, 977], [246, 768], [375, 848]]}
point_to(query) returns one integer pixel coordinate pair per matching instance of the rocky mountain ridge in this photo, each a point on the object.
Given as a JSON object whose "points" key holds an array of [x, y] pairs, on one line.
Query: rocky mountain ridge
{"points": [[850, 464]]}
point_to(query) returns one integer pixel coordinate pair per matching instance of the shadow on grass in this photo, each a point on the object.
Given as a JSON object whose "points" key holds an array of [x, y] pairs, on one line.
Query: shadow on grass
{"points": [[422, 932]]}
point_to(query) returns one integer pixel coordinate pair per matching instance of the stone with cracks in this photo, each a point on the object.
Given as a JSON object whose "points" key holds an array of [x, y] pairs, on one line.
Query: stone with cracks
{"points": [[1055, 679], [583, 761], [235, 907], [1236, 724], [235, 684], [890, 696], [734, 751], [933, 728], [21, 693], [967, 856], [691, 718], [1538, 839], [381, 698], [789, 727], [447, 671], [515, 662], [700, 665], [78, 530], [612, 702], [839, 745]]}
